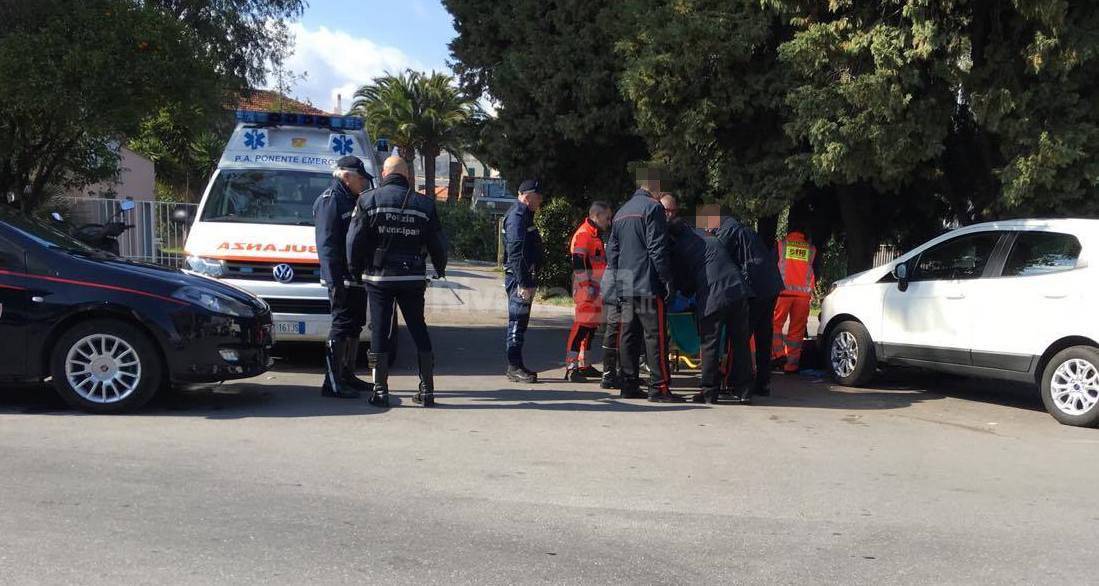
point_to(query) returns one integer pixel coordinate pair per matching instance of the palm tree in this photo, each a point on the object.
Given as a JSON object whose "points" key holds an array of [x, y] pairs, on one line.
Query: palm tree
{"points": [[417, 111]]}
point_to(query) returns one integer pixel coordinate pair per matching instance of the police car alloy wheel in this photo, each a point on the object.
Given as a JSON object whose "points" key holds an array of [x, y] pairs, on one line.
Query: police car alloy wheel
{"points": [[102, 368], [106, 366], [851, 357], [1070, 386]]}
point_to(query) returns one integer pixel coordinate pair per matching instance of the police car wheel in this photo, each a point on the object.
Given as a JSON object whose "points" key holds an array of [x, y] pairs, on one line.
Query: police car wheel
{"points": [[1070, 386], [106, 366], [851, 359]]}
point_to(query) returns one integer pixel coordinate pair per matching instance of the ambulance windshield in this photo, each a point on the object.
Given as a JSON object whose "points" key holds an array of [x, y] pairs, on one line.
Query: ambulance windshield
{"points": [[265, 196]]}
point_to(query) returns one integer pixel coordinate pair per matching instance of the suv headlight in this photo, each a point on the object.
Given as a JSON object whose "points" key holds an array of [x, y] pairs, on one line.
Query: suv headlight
{"points": [[212, 301], [206, 266]]}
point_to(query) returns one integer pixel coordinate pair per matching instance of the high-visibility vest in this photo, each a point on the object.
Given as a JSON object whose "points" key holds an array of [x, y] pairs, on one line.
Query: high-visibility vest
{"points": [[586, 243], [795, 261]]}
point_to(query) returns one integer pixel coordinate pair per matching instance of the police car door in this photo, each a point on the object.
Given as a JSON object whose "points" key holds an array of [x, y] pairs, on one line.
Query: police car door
{"points": [[14, 301]]}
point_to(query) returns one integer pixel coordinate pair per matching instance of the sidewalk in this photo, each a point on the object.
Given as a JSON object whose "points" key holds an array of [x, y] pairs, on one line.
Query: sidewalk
{"points": [[473, 293]]}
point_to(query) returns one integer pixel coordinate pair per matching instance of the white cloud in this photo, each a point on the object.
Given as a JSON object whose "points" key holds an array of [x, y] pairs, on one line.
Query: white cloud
{"points": [[338, 63]]}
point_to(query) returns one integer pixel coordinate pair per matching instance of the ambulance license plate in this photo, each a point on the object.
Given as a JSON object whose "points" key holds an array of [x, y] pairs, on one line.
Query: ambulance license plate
{"points": [[293, 328]]}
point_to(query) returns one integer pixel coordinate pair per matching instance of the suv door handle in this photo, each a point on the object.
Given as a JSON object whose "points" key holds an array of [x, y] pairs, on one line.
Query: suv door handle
{"points": [[1055, 295], [955, 295]]}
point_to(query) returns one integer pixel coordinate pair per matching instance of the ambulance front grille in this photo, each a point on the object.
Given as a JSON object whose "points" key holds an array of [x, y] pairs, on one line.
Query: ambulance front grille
{"points": [[264, 271]]}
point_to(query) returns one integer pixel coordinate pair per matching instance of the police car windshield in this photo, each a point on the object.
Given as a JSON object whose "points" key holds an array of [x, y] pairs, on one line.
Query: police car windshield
{"points": [[265, 196]]}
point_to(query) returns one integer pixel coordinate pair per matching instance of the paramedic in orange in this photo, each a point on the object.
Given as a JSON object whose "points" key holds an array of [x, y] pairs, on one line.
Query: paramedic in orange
{"points": [[796, 255], [589, 260]]}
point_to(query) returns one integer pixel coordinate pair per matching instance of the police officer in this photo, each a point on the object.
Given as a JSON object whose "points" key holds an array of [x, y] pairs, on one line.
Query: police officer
{"points": [[703, 268], [760, 269], [392, 227], [332, 217], [638, 263], [523, 247]]}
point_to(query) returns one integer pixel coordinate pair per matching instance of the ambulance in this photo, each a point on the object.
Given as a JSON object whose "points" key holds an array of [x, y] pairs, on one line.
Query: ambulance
{"points": [[254, 226]]}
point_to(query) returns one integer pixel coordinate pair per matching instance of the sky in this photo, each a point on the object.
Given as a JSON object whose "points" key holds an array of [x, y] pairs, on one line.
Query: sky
{"points": [[343, 44]]}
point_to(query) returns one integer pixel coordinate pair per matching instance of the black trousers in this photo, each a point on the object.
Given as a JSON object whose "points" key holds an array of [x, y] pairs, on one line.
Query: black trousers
{"points": [[761, 316], [409, 296], [644, 321], [613, 329], [733, 323], [348, 311]]}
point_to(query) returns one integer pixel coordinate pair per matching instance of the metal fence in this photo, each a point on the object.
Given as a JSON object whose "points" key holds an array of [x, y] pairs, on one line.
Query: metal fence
{"points": [[885, 254], [154, 238]]}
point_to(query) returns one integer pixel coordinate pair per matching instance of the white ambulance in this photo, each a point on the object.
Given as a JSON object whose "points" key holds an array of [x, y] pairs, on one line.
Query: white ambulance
{"points": [[254, 226]]}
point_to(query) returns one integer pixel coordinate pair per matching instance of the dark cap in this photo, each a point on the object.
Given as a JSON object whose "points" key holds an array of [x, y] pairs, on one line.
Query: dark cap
{"points": [[353, 163], [530, 185]]}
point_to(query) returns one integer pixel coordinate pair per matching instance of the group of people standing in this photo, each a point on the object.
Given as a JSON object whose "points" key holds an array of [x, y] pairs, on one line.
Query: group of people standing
{"points": [[629, 266]]}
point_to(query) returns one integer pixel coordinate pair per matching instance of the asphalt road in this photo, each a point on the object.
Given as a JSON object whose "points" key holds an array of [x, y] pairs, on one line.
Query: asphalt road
{"points": [[265, 481]]}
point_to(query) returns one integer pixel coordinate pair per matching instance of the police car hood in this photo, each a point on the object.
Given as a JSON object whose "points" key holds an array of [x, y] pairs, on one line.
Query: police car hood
{"points": [[232, 241]]}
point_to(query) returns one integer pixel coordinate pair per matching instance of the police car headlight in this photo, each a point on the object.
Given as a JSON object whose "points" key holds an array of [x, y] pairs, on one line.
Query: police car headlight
{"points": [[206, 266], [212, 301]]}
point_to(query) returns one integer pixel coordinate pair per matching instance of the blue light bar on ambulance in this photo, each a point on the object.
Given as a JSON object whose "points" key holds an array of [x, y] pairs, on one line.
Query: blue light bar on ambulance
{"points": [[294, 119]]}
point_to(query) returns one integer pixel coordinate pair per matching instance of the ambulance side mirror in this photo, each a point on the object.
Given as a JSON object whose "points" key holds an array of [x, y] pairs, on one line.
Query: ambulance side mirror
{"points": [[382, 146], [900, 272]]}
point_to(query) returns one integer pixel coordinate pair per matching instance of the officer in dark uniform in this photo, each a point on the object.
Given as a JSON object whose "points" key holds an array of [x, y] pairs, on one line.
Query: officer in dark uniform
{"points": [[523, 248], [759, 266], [639, 264], [332, 217], [703, 268], [392, 228]]}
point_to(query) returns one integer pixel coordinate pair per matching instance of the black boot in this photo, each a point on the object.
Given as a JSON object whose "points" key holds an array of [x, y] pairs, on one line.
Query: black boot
{"points": [[334, 385], [706, 396], [611, 380], [664, 396], [518, 374], [631, 389], [350, 358], [380, 395], [426, 396]]}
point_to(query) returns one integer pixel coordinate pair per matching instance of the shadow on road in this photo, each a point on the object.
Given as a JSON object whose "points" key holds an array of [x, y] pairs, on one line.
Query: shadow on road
{"points": [[477, 352]]}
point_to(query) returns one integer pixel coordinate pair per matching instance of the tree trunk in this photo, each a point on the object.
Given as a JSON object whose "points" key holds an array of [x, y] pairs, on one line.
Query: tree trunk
{"points": [[430, 154], [857, 226], [409, 156]]}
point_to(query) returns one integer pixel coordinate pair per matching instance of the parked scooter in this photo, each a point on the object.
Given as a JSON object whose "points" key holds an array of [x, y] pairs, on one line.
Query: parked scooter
{"points": [[103, 236]]}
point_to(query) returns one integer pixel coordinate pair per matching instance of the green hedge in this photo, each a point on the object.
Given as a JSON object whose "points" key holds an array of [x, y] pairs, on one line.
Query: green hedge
{"points": [[556, 221], [471, 234]]}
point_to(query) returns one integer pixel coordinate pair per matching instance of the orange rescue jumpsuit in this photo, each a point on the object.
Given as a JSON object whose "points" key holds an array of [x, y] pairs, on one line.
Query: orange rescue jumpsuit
{"points": [[589, 260], [795, 261]]}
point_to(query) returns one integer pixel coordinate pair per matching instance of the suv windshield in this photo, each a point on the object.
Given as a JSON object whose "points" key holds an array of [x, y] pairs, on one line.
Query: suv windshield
{"points": [[265, 196], [494, 189], [42, 233]]}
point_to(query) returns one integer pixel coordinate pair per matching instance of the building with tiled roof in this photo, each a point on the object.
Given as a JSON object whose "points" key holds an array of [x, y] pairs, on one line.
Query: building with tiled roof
{"points": [[272, 101]]}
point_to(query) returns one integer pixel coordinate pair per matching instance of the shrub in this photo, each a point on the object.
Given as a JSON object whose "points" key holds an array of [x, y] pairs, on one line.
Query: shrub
{"points": [[556, 222], [471, 234]]}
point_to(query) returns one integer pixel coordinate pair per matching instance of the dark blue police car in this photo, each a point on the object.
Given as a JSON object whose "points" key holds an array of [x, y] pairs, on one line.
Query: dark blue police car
{"points": [[111, 332]]}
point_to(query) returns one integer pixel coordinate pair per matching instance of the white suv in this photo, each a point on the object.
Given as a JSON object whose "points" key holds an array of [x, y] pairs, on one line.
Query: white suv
{"points": [[1012, 300]]}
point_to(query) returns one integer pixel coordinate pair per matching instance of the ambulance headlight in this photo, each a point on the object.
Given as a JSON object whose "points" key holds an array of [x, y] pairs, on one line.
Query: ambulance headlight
{"points": [[206, 266]]}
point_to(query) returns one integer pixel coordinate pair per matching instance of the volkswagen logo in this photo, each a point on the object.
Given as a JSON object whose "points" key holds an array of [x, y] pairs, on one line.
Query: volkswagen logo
{"points": [[283, 273]]}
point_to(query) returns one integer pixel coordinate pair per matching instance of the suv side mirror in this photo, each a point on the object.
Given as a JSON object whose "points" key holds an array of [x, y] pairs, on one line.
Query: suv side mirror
{"points": [[900, 272], [183, 215]]}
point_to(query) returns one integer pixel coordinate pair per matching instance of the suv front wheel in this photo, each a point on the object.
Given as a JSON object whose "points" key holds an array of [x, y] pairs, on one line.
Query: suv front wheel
{"points": [[1070, 386], [851, 358]]}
